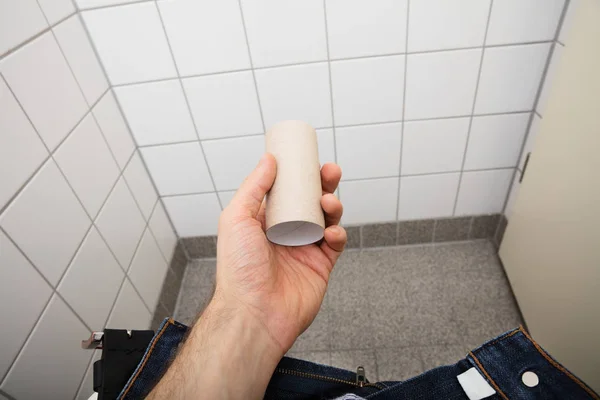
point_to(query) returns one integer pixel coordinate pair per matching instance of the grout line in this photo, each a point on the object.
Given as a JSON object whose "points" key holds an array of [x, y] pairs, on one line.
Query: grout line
{"points": [[90, 365], [260, 109], [403, 115], [8, 396], [37, 35], [331, 104], [464, 157], [187, 102], [537, 98]]}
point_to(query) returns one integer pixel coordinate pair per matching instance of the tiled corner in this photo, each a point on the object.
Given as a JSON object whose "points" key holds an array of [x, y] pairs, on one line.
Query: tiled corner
{"points": [[417, 231], [377, 235], [179, 260], [451, 229], [500, 231], [484, 226], [200, 247]]}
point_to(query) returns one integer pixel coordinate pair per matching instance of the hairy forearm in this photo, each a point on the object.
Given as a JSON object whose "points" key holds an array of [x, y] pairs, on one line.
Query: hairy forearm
{"points": [[227, 355]]}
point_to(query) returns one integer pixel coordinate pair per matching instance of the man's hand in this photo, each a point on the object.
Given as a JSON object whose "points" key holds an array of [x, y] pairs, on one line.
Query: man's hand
{"points": [[282, 287], [265, 296]]}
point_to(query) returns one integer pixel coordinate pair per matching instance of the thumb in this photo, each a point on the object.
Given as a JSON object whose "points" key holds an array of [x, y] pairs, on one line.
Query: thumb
{"points": [[248, 198]]}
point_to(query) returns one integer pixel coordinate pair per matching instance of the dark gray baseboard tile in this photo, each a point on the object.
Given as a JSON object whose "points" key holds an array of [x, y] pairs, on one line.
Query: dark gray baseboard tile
{"points": [[451, 229], [484, 226], [414, 232], [179, 260], [353, 233], [500, 231], [376, 235], [201, 246]]}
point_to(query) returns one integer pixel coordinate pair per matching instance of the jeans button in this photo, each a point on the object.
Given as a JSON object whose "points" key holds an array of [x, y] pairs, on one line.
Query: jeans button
{"points": [[530, 379]]}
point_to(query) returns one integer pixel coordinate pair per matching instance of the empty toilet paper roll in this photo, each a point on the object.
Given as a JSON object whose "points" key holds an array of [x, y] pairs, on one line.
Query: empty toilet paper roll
{"points": [[294, 216]]}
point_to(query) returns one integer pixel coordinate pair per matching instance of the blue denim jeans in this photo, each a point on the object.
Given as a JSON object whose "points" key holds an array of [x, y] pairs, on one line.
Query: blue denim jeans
{"points": [[501, 362]]}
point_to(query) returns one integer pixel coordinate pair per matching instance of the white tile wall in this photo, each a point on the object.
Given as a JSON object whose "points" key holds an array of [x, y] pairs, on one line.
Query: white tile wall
{"points": [[362, 28], [510, 78], [515, 21], [85, 159], [131, 55], [326, 144], [113, 126], [441, 84], [434, 146], [512, 197], [47, 90], [121, 223], [299, 92], [442, 24], [225, 197], [39, 358], [427, 196], [483, 192], [21, 150], [148, 270], [213, 29], [368, 90], [48, 204], [371, 151], [157, 112], [86, 388], [246, 151], [495, 141], [299, 27], [178, 168], [59, 163], [194, 215], [93, 263], [224, 105], [20, 284], [73, 41], [85, 4], [361, 206]]}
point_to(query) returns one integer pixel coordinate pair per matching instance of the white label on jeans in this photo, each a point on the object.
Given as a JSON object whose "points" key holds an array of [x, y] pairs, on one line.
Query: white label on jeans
{"points": [[475, 385]]}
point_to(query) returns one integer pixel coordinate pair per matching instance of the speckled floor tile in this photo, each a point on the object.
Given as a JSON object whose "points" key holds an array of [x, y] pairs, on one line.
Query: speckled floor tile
{"points": [[436, 356], [353, 233], [378, 235], [201, 246], [410, 232], [352, 359], [398, 364]]}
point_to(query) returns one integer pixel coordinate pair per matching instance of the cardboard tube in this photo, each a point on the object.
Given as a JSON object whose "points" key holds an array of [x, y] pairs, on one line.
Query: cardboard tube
{"points": [[294, 216]]}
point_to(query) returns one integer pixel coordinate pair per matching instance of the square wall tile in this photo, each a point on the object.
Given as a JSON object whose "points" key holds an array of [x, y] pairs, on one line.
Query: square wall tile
{"points": [[225, 197], [20, 284], [113, 126], [549, 78], [89, 167], [48, 204], [368, 90], [441, 84], [157, 112], [510, 78], [161, 228], [84, 4], [483, 192], [178, 168], [55, 10], [495, 141], [530, 140], [148, 270], [299, 92], [92, 281], [325, 142], [364, 28], [427, 196], [129, 311], [361, 206], [246, 151], [139, 183], [21, 149], [121, 224], [441, 24], [131, 55], [514, 21], [73, 40], [87, 386], [19, 20], [293, 43], [205, 36], [224, 104], [194, 215], [434, 146], [370, 151], [38, 355], [47, 90]]}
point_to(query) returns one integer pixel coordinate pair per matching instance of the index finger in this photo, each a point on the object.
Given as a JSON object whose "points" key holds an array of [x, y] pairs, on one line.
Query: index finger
{"points": [[330, 177]]}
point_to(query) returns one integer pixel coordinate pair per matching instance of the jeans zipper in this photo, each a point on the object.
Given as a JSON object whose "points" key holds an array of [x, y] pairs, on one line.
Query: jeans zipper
{"points": [[361, 380]]}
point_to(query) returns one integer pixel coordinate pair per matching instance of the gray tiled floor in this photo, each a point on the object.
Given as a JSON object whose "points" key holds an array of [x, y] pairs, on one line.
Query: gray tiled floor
{"points": [[397, 311]]}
